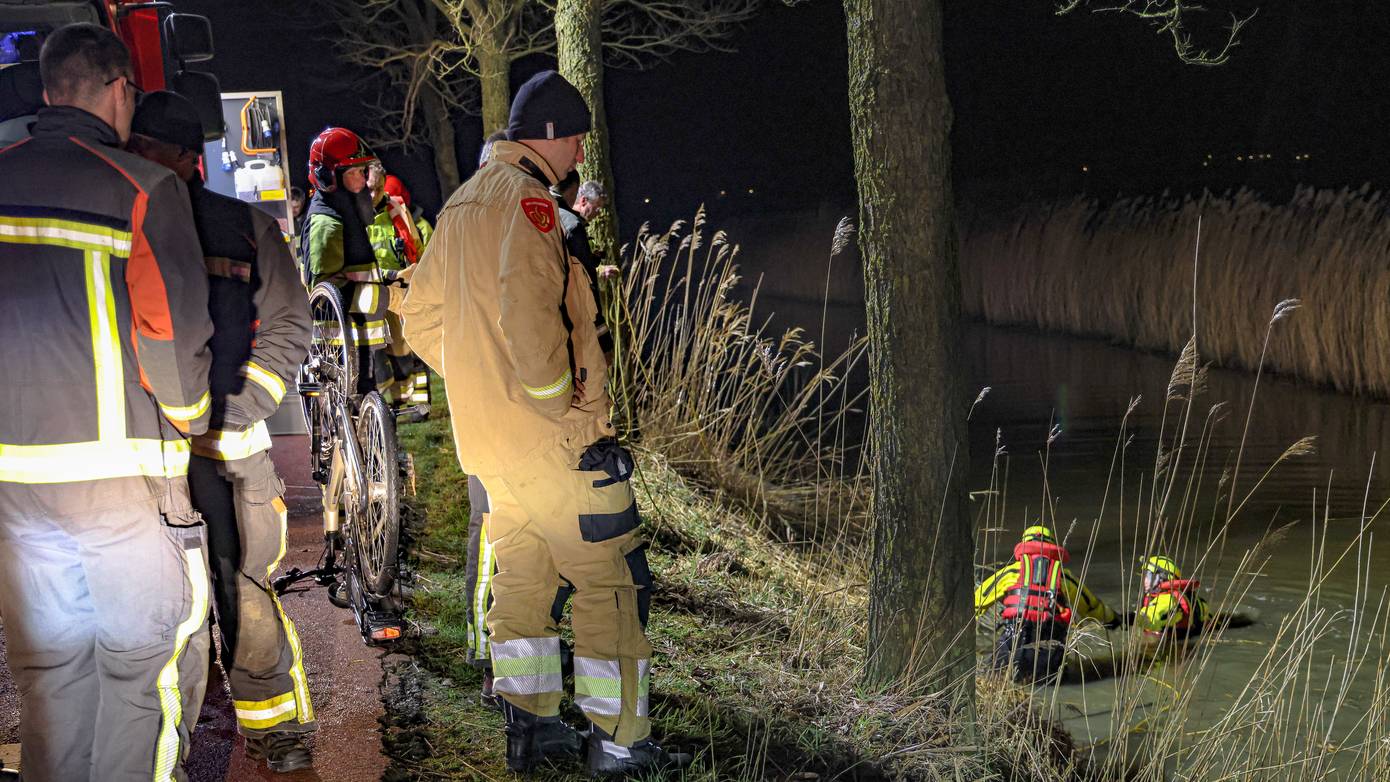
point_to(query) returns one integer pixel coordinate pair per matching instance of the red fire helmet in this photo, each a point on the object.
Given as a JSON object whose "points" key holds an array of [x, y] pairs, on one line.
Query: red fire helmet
{"points": [[395, 187], [334, 149]]}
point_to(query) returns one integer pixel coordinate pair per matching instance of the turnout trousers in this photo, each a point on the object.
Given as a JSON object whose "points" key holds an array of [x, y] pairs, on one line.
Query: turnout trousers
{"points": [[242, 503], [550, 523], [105, 616], [410, 378], [479, 569]]}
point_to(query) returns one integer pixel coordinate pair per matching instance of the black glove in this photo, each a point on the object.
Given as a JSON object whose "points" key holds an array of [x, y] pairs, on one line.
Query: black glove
{"points": [[609, 457], [393, 277]]}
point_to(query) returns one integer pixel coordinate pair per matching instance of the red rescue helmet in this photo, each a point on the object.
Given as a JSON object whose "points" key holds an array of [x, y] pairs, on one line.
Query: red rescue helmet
{"points": [[396, 188], [334, 149]]}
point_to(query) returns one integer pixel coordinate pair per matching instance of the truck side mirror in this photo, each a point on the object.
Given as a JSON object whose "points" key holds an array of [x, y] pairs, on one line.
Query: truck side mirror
{"points": [[189, 37], [206, 94]]}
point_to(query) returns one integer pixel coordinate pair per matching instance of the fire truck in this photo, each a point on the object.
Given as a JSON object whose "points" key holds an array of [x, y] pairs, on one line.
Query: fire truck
{"points": [[162, 44]]}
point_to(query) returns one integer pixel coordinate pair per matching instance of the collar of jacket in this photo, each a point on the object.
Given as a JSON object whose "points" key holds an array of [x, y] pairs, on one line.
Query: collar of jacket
{"points": [[65, 121], [526, 159]]}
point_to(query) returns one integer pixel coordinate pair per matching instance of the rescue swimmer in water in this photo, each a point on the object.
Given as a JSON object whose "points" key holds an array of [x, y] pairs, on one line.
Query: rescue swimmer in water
{"points": [[1170, 606], [1041, 600]]}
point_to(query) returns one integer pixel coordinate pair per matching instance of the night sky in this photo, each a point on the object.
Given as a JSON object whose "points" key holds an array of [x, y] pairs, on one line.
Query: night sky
{"points": [[1036, 98]]}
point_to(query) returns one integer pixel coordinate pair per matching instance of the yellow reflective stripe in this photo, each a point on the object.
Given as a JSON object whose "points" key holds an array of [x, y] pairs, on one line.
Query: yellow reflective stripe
{"points": [[558, 388], [166, 755], [265, 379], [366, 298], [228, 445], [92, 461], [64, 233], [190, 412], [481, 590], [259, 715], [283, 513], [106, 349], [304, 704]]}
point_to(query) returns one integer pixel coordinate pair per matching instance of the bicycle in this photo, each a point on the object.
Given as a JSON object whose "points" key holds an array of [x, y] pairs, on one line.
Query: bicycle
{"points": [[354, 457]]}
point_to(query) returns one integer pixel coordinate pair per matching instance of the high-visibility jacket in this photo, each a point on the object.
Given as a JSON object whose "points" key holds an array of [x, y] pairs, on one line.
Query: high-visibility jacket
{"points": [[337, 248], [103, 304], [336, 245], [395, 238], [500, 311], [1174, 606], [260, 312], [1071, 593]]}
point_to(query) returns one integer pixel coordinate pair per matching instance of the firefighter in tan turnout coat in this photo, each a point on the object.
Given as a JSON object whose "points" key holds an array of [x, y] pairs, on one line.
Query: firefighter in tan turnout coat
{"points": [[500, 310]]}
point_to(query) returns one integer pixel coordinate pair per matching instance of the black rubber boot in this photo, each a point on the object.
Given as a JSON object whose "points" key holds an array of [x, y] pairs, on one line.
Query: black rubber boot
{"points": [[611, 761], [532, 740], [282, 751]]}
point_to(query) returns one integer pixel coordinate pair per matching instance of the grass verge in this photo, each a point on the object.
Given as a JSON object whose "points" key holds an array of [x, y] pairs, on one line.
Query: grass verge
{"points": [[758, 651]]}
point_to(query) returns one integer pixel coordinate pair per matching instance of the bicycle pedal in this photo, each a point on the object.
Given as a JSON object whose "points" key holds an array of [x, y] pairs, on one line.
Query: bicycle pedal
{"points": [[382, 628]]}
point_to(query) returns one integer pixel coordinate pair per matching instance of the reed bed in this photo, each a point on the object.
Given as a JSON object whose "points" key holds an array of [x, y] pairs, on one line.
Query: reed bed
{"points": [[1129, 272], [759, 422], [758, 416]]}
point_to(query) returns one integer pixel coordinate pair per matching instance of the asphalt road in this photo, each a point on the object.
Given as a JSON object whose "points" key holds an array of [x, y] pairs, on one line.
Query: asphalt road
{"points": [[344, 674]]}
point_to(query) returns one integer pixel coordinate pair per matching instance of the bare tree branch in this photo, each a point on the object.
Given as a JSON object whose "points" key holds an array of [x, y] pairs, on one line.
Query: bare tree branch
{"points": [[1167, 17]]}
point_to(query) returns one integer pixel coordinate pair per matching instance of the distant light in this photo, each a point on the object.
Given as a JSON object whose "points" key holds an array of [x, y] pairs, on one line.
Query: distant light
{"points": [[1085, 169], [723, 193], [646, 200], [1240, 158], [750, 191]]}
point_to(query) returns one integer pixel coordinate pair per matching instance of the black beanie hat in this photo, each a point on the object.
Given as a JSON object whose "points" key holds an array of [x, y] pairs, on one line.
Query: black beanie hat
{"points": [[168, 117], [547, 106]]}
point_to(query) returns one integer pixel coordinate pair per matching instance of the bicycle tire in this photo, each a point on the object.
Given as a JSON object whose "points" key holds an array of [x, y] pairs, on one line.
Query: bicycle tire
{"points": [[332, 342], [377, 533]]}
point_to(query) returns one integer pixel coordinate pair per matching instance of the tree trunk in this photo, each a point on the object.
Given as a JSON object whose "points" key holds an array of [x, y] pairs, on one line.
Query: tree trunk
{"points": [[494, 77], [441, 134], [920, 626], [578, 36]]}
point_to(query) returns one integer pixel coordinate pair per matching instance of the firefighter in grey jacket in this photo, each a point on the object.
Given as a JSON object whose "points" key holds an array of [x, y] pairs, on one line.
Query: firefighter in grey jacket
{"points": [[103, 304], [260, 315]]}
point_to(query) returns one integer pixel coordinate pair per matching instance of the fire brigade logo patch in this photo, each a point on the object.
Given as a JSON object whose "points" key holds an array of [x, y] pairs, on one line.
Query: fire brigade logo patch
{"points": [[541, 213]]}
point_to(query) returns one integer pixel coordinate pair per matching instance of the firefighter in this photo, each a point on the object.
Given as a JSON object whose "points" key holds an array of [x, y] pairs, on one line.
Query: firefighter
{"points": [[260, 317], [336, 246], [103, 304], [1041, 600], [578, 205], [1171, 606], [498, 303], [397, 243], [395, 188]]}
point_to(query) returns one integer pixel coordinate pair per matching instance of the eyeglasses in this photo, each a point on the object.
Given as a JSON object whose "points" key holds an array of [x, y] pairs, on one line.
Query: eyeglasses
{"points": [[129, 82]]}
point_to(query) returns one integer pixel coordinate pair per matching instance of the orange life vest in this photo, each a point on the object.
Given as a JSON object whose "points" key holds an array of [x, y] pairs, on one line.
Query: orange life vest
{"points": [[1182, 590], [1034, 597]]}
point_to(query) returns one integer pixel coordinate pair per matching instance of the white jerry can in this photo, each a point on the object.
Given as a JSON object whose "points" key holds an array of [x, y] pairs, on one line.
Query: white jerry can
{"points": [[258, 177]]}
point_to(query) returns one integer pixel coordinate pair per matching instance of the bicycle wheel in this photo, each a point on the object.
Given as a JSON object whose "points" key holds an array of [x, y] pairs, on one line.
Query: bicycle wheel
{"points": [[331, 343], [377, 533]]}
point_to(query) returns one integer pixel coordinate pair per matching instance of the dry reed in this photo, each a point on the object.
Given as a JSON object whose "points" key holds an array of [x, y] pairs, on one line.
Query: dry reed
{"points": [[759, 419], [1125, 272]]}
